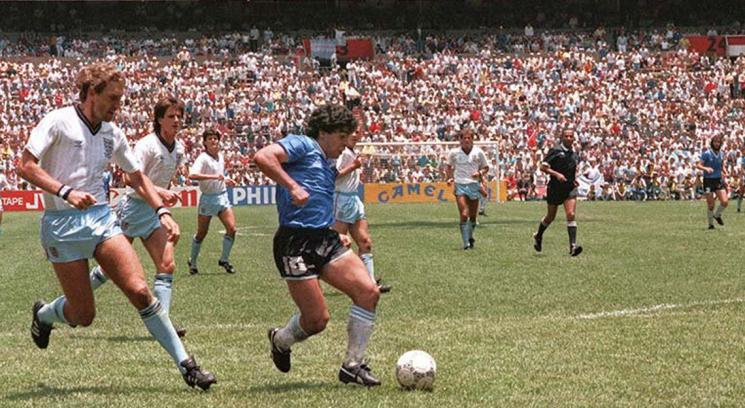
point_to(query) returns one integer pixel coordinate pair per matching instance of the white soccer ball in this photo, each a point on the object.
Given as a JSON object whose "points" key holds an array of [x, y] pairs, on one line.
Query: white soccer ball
{"points": [[415, 370]]}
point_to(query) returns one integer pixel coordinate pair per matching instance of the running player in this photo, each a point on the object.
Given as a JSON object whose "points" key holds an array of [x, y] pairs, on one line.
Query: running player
{"points": [[467, 167], [306, 248], [209, 170], [65, 156], [715, 186], [561, 163], [349, 211], [161, 156]]}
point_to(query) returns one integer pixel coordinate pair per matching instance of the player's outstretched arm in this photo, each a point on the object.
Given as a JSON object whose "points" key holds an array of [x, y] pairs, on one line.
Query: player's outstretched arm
{"points": [[145, 188], [30, 170], [269, 160]]}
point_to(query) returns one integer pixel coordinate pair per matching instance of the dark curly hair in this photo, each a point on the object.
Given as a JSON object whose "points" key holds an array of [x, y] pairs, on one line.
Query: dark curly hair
{"points": [[330, 119]]}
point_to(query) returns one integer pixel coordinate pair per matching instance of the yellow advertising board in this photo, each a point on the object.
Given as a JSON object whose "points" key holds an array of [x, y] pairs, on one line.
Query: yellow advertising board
{"points": [[385, 193]]}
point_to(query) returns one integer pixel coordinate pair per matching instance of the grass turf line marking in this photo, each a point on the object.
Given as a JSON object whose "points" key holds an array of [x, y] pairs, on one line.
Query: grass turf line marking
{"points": [[656, 308]]}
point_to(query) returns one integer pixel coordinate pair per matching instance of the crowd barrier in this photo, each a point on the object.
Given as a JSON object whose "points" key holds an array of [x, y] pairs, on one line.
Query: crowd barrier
{"points": [[383, 193]]}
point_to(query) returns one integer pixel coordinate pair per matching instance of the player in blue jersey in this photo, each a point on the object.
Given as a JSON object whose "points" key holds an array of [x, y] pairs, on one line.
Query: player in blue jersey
{"points": [[305, 246], [715, 186], [65, 156]]}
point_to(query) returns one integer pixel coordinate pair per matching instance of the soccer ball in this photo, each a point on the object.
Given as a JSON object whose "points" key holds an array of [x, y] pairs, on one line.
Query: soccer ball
{"points": [[415, 370]]}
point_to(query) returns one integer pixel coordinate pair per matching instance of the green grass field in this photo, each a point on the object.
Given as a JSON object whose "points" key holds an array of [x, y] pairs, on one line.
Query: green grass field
{"points": [[651, 314]]}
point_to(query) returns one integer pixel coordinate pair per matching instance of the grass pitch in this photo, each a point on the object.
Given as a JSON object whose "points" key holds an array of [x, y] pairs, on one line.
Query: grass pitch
{"points": [[651, 314]]}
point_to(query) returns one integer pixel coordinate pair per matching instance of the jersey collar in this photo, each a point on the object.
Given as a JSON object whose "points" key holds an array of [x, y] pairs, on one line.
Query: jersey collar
{"points": [[85, 120], [164, 143]]}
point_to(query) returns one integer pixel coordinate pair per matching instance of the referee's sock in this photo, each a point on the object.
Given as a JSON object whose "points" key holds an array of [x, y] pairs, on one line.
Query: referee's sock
{"points": [[719, 211], [739, 205], [541, 229], [710, 216], [572, 230]]}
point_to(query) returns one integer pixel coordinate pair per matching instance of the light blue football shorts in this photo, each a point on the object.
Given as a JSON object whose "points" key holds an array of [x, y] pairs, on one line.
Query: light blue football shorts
{"points": [[71, 235], [348, 207], [470, 190], [212, 204], [136, 218]]}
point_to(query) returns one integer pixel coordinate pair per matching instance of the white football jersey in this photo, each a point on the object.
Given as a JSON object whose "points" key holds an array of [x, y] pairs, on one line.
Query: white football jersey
{"points": [[350, 182], [75, 154], [158, 163], [466, 164], [206, 164]]}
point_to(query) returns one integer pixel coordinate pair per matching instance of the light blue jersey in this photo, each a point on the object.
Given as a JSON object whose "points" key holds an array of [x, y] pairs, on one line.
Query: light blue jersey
{"points": [[713, 160], [308, 166]]}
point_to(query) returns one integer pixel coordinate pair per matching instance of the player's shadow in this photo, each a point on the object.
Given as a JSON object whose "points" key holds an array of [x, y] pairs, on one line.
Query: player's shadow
{"points": [[286, 387], [43, 390]]}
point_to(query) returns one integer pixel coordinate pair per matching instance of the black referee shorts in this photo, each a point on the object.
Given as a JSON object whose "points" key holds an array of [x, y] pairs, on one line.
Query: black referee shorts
{"points": [[559, 192]]}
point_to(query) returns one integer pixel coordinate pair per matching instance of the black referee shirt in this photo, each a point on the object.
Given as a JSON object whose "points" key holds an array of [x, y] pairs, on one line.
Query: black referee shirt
{"points": [[564, 161]]}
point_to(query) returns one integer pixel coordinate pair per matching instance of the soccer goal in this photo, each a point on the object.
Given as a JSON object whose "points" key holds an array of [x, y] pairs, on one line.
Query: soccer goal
{"points": [[422, 162]]}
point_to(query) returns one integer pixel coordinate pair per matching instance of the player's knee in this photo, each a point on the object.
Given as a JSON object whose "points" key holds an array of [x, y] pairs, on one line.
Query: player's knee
{"points": [[230, 231], [365, 244], [167, 266], [199, 236], [570, 216], [725, 203], [140, 296], [316, 323], [82, 317], [368, 297]]}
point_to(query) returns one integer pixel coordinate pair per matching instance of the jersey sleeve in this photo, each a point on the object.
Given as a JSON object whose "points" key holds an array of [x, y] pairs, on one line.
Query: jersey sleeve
{"points": [[551, 156], [295, 146], [196, 167], [42, 137], [124, 157], [482, 160], [451, 158], [705, 158]]}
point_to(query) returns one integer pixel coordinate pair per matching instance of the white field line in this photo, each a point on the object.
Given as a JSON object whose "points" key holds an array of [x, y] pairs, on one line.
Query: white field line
{"points": [[656, 308]]}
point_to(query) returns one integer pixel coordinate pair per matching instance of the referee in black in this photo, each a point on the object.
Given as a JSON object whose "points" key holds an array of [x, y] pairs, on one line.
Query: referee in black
{"points": [[561, 164]]}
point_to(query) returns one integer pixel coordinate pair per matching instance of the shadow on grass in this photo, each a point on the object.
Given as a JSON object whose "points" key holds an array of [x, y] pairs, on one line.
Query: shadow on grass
{"points": [[287, 387], [115, 339], [42, 390]]}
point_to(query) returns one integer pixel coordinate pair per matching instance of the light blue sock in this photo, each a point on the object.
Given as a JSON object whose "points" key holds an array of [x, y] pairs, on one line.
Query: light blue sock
{"points": [[53, 312], [359, 330], [159, 325], [290, 334], [162, 290], [97, 277], [465, 232], [195, 247], [367, 259], [227, 245]]}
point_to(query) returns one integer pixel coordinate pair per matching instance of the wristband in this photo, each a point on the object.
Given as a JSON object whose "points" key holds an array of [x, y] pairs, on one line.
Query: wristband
{"points": [[161, 211], [64, 192]]}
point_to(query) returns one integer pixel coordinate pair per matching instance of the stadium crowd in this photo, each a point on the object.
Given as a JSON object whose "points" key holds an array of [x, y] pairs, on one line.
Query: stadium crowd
{"points": [[643, 106]]}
